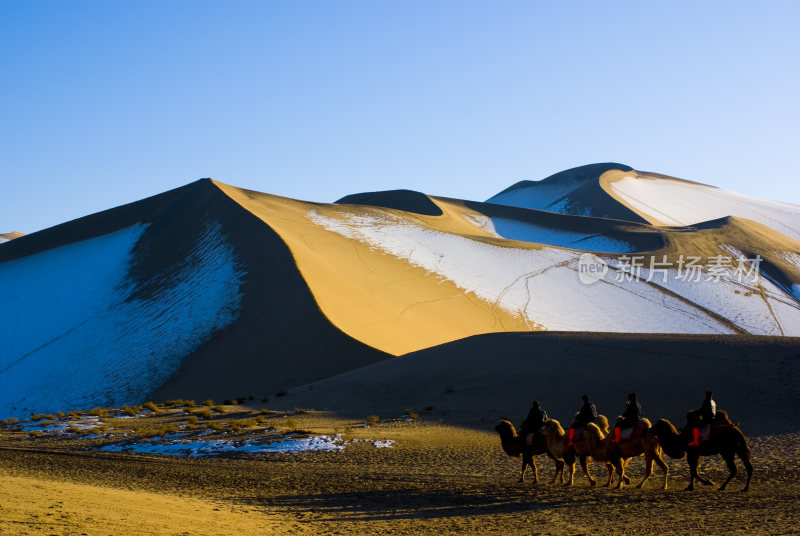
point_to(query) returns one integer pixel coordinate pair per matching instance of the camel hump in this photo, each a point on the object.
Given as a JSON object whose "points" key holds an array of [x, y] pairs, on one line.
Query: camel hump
{"points": [[722, 417]]}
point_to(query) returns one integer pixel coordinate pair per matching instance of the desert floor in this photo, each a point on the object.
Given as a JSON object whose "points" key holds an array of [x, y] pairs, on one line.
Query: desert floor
{"points": [[437, 479]]}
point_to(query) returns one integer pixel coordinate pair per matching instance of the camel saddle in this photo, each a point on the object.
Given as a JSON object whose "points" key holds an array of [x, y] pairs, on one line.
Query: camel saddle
{"points": [[634, 432]]}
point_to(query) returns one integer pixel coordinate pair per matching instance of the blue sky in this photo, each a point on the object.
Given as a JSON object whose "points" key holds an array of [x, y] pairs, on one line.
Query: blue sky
{"points": [[105, 103]]}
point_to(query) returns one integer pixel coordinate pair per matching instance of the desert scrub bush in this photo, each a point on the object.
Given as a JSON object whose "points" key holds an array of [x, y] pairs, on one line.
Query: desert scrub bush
{"points": [[208, 403], [266, 411], [74, 414], [261, 419], [60, 414], [98, 412], [411, 413], [244, 423], [10, 421], [428, 407], [290, 424], [264, 399], [192, 419], [131, 410], [205, 413], [34, 433], [151, 406], [189, 403], [220, 409], [40, 416], [174, 403], [282, 392], [48, 422], [372, 419], [157, 432], [216, 426], [230, 402]]}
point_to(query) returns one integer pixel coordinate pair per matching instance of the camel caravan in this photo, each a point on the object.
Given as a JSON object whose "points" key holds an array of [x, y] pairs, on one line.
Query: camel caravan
{"points": [[708, 432]]}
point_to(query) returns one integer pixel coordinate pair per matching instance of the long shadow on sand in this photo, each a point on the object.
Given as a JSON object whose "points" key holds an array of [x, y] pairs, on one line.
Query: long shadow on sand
{"points": [[409, 504]]}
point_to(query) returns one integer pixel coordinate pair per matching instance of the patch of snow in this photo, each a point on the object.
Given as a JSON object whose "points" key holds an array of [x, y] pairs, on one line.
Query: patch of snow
{"points": [[542, 287], [322, 442], [224, 446], [73, 335], [679, 203], [383, 443]]}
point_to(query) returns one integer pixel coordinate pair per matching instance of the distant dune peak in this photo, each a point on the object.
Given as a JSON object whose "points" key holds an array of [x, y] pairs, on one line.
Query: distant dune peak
{"points": [[405, 200], [7, 237]]}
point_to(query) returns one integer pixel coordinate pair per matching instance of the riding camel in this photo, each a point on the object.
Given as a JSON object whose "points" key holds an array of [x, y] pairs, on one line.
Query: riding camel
{"points": [[559, 448], [598, 444], [725, 439], [515, 446]]}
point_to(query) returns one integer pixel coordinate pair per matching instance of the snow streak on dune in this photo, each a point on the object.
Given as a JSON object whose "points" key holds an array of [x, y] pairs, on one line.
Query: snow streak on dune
{"points": [[67, 320], [541, 285], [667, 201]]}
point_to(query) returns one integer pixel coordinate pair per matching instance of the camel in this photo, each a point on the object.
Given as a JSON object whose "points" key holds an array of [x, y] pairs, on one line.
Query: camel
{"points": [[726, 439], [598, 444], [558, 446], [558, 443], [515, 445]]}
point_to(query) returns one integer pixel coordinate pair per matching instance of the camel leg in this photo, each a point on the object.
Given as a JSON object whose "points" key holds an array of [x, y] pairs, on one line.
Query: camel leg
{"points": [[571, 478], [731, 462], [559, 472], [585, 467], [744, 454], [693, 460], [610, 469], [620, 467], [648, 470], [664, 467], [535, 470], [625, 468], [524, 467]]}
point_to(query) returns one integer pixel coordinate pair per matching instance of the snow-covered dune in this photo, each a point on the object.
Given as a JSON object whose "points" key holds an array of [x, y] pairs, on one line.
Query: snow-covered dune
{"points": [[665, 200]]}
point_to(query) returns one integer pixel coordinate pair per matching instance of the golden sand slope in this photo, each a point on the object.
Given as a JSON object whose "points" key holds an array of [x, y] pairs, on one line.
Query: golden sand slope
{"points": [[390, 304], [370, 295], [35, 506]]}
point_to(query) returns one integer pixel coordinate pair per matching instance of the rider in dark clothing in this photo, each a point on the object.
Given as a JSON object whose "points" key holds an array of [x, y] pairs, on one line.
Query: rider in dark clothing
{"points": [[630, 417], [705, 415], [587, 414], [533, 422]]}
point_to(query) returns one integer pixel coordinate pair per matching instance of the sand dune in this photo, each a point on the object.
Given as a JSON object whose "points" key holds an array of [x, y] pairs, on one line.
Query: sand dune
{"points": [[215, 291]]}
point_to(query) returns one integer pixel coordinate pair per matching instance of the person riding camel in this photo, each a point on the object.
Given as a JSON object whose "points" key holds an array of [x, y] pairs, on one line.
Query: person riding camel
{"points": [[587, 414], [630, 417], [705, 416], [534, 421]]}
